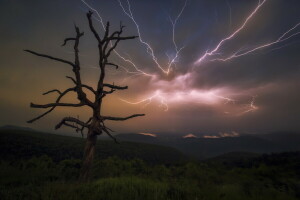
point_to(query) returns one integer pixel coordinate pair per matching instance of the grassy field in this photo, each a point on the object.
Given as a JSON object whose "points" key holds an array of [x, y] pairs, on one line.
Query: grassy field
{"points": [[232, 176]]}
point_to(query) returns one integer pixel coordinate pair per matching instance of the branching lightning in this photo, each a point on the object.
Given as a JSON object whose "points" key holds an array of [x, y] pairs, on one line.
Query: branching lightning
{"points": [[241, 52], [163, 94], [282, 38], [251, 107], [227, 100], [180, 96], [219, 45], [137, 70], [157, 95], [149, 49]]}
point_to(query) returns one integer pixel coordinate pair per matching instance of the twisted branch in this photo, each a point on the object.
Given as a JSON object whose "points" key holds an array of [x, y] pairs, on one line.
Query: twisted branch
{"points": [[50, 57], [115, 86], [121, 118], [53, 107], [32, 105], [112, 64], [51, 91], [110, 135], [66, 40], [65, 121]]}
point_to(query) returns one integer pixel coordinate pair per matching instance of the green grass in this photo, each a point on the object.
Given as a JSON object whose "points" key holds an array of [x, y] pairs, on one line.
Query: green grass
{"points": [[135, 188], [114, 178]]}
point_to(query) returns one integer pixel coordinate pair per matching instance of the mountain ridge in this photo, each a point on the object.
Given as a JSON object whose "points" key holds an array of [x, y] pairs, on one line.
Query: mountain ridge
{"points": [[203, 148]]}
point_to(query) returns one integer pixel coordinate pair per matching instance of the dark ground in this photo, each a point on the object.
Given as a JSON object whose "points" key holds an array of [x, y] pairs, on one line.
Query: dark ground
{"points": [[36, 165]]}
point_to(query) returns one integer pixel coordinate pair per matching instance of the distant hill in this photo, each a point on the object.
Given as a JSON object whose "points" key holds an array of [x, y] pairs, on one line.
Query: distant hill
{"points": [[234, 158], [133, 137], [285, 141], [162, 148], [23, 144], [13, 127], [202, 148]]}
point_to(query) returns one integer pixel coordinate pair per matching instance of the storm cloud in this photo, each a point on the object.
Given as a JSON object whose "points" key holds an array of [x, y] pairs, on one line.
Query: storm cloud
{"points": [[210, 97]]}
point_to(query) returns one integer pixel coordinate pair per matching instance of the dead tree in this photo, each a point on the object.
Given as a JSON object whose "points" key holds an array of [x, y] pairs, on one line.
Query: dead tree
{"points": [[96, 124]]}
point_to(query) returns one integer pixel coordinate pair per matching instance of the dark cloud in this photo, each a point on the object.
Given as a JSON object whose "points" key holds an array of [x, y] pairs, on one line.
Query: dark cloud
{"points": [[272, 74]]}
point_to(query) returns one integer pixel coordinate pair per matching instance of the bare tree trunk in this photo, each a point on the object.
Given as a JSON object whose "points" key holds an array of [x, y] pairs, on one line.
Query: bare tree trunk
{"points": [[89, 152], [96, 123]]}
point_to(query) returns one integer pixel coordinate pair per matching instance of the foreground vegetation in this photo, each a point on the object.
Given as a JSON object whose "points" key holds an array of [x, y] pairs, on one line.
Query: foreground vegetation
{"points": [[27, 172], [266, 177]]}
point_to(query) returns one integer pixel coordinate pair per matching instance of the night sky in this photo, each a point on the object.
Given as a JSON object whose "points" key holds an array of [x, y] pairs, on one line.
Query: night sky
{"points": [[254, 92]]}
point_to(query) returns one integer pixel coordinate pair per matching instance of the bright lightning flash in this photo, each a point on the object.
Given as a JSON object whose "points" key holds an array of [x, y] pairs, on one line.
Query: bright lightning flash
{"points": [[178, 89], [215, 51], [251, 107], [165, 69]]}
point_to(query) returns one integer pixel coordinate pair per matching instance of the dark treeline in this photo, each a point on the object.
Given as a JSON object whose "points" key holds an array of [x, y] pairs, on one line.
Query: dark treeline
{"points": [[20, 144]]}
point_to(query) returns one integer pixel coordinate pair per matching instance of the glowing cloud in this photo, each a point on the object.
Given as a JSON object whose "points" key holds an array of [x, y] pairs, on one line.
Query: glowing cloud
{"points": [[222, 135], [148, 134], [211, 136], [190, 136], [179, 90]]}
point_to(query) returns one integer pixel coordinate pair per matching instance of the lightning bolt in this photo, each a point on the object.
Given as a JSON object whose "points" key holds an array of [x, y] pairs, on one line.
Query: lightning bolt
{"points": [[136, 68], [251, 107], [157, 95], [209, 97], [282, 38], [227, 100], [219, 45], [243, 52], [165, 69], [210, 55]]}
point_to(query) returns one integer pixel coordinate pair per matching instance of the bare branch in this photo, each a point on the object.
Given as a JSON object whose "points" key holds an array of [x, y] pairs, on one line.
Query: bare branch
{"points": [[119, 32], [40, 116], [112, 64], [110, 135], [104, 93], [118, 38], [66, 40], [111, 49], [114, 36], [109, 129], [121, 118], [32, 105], [55, 90], [115, 86], [124, 38], [77, 64], [89, 88], [102, 70], [82, 85], [57, 101], [70, 125], [72, 79], [71, 39], [108, 92], [82, 128], [89, 15], [70, 119], [50, 57], [89, 120]]}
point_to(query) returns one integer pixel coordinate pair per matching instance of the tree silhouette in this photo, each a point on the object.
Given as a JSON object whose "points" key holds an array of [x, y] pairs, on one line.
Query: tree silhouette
{"points": [[95, 125]]}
